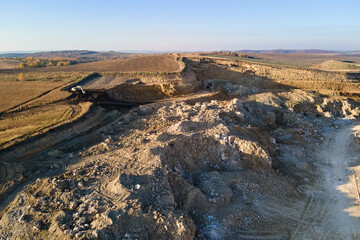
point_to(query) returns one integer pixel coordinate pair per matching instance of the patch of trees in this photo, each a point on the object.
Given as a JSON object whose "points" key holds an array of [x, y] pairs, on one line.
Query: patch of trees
{"points": [[34, 62], [21, 77], [233, 54]]}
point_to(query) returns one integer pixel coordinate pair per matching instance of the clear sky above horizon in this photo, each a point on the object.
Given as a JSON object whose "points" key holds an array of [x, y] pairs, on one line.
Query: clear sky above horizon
{"points": [[164, 25]]}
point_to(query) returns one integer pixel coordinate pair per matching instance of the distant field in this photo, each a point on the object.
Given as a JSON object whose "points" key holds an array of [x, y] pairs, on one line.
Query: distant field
{"points": [[71, 54], [8, 63], [76, 53], [35, 104], [152, 63], [306, 59], [28, 122], [43, 76], [16, 93], [295, 59]]}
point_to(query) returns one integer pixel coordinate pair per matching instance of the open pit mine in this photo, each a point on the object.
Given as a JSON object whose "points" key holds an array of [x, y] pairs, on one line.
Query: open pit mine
{"points": [[212, 148]]}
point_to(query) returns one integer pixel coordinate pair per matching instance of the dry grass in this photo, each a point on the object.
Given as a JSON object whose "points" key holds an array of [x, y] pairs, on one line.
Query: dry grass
{"points": [[35, 90], [336, 65], [53, 96], [8, 63], [16, 93], [34, 105], [152, 63], [44, 76], [30, 122], [296, 59], [157, 63]]}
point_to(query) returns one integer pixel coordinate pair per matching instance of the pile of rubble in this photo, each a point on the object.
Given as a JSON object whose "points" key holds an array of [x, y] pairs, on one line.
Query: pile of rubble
{"points": [[176, 170]]}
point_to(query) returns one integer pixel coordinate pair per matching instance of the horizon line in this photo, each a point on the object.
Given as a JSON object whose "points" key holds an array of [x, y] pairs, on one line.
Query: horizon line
{"points": [[175, 51]]}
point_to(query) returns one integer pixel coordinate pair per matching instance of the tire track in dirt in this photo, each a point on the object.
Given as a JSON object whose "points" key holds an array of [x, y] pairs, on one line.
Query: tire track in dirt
{"points": [[35, 153], [330, 212]]}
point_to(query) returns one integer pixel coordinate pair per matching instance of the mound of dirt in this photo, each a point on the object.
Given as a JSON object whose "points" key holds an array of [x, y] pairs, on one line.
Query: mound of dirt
{"points": [[336, 65]]}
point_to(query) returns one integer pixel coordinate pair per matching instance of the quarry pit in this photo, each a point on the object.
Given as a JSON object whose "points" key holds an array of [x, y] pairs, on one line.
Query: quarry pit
{"points": [[220, 149]]}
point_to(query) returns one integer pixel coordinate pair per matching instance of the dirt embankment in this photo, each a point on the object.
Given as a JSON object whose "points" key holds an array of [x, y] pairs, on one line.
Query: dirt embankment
{"points": [[279, 72], [141, 87], [268, 76]]}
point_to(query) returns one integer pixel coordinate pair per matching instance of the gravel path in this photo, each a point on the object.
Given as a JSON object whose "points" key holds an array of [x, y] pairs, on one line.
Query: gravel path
{"points": [[332, 210]]}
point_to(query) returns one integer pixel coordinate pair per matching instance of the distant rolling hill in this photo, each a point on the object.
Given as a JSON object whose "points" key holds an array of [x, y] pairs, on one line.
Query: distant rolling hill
{"points": [[69, 54], [286, 51], [9, 63], [147, 63], [12, 55]]}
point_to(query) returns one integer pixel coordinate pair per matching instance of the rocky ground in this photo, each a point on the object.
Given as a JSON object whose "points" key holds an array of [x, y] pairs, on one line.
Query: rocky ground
{"points": [[229, 168]]}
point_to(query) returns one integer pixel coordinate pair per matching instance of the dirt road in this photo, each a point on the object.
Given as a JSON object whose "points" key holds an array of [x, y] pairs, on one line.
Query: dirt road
{"points": [[332, 209]]}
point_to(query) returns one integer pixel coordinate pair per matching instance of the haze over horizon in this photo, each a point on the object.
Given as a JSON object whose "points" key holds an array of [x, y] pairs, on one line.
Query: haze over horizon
{"points": [[179, 26]]}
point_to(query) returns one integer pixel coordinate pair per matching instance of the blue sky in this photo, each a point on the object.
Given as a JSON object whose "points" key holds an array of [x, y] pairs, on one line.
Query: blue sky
{"points": [[197, 25]]}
